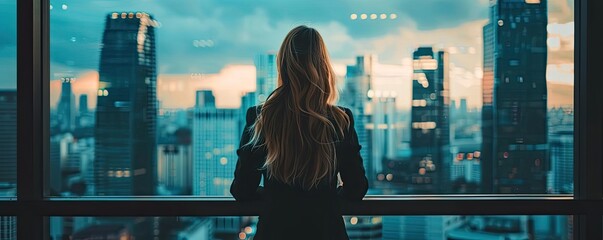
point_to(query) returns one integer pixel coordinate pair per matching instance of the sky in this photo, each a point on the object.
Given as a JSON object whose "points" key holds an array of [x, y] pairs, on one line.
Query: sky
{"points": [[210, 44]]}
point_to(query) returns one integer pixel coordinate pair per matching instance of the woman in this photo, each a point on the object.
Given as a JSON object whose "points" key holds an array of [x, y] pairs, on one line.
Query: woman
{"points": [[300, 143]]}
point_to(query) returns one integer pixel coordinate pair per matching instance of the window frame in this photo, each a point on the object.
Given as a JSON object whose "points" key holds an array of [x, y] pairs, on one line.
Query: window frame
{"points": [[33, 208]]}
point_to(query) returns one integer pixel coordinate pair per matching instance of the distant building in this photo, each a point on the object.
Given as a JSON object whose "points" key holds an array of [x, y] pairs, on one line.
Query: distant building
{"points": [[515, 151], [266, 76], [8, 137], [561, 142], [66, 106], [85, 117], [430, 124], [126, 111], [355, 97], [382, 116], [175, 162], [215, 141], [465, 167]]}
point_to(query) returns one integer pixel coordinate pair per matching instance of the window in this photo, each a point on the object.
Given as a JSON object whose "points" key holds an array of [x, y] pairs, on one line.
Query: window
{"points": [[152, 102], [399, 65]]}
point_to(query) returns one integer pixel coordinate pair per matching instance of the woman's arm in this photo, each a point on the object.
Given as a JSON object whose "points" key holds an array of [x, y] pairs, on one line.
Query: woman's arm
{"points": [[247, 176], [355, 183]]}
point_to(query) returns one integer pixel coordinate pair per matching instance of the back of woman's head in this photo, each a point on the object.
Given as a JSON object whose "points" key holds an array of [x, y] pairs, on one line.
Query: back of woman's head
{"points": [[298, 124]]}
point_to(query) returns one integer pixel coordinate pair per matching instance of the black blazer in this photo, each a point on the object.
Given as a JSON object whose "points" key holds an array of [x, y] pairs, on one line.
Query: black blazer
{"points": [[289, 212]]}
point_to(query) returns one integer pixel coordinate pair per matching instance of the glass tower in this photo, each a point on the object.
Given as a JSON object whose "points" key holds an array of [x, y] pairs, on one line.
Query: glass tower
{"points": [[515, 157], [430, 131], [126, 107]]}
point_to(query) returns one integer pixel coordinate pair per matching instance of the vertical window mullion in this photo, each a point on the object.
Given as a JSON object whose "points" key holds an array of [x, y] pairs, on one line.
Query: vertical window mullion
{"points": [[30, 53], [588, 170]]}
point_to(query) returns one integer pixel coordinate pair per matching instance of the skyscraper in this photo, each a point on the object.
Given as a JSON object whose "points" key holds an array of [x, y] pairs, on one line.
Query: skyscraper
{"points": [[126, 107], [66, 106], [430, 131], [8, 137], [355, 97], [382, 128], [514, 116], [266, 75], [215, 141]]}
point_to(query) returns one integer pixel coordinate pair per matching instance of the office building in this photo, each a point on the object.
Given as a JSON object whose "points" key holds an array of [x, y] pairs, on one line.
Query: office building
{"points": [[514, 113], [126, 111], [215, 141], [430, 130]]}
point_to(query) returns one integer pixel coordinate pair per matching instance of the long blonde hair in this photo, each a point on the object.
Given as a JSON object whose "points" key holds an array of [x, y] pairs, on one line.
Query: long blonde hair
{"points": [[299, 124]]}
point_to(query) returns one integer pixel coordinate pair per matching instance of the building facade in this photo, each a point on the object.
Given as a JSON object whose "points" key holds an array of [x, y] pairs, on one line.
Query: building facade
{"points": [[430, 124], [215, 141], [126, 111], [514, 121]]}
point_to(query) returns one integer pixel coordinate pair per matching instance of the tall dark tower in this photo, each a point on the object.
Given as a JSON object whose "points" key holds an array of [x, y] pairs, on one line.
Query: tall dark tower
{"points": [[515, 156], [126, 111], [430, 130], [66, 106]]}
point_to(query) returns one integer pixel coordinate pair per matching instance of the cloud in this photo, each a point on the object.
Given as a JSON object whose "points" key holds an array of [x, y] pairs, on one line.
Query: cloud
{"points": [[241, 29]]}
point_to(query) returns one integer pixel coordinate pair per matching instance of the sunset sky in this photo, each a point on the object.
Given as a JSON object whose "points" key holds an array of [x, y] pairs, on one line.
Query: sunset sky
{"points": [[218, 40]]}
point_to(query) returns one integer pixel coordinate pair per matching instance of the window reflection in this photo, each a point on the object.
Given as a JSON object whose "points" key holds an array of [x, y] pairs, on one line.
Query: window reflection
{"points": [[8, 228], [358, 227]]}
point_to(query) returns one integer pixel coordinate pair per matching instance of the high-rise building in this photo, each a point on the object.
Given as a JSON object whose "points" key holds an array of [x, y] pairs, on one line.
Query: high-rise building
{"points": [[355, 97], [430, 131], [266, 75], [126, 112], [562, 161], [8, 137], [83, 104], [463, 107], [382, 128], [8, 228], [215, 141], [465, 169], [175, 162], [66, 106], [514, 116]]}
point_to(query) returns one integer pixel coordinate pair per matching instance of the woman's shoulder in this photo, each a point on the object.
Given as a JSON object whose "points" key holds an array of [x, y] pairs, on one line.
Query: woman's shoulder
{"points": [[253, 112], [346, 110]]}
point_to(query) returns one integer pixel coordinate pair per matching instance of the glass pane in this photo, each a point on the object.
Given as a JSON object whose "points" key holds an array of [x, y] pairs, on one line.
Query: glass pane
{"points": [[8, 98], [357, 227], [8, 228], [448, 96]]}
